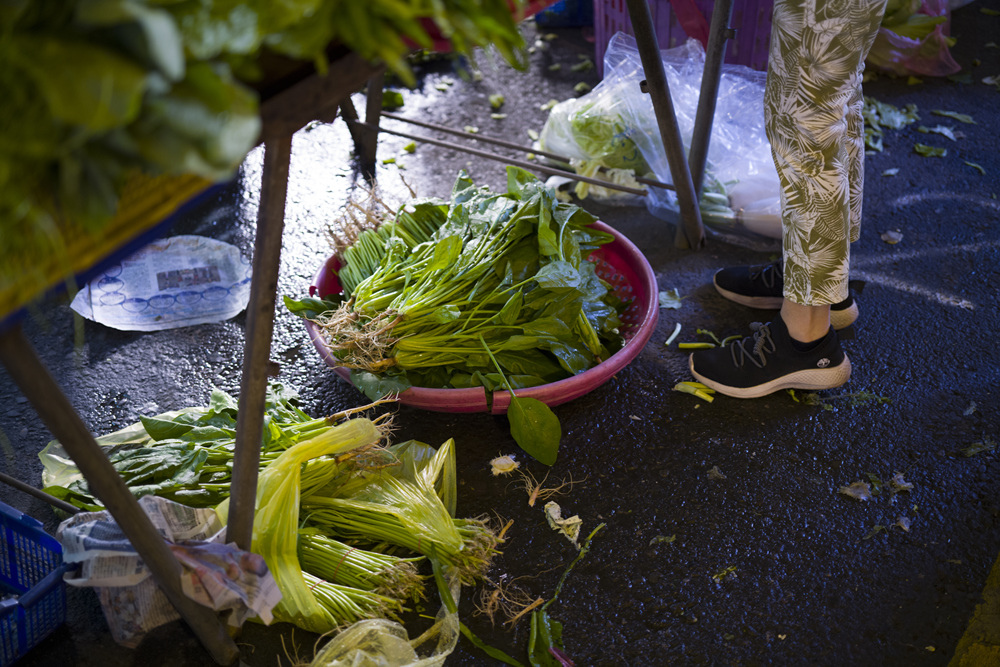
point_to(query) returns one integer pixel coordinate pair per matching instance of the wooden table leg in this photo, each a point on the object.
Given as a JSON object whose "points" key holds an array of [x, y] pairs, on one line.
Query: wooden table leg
{"points": [[45, 395], [259, 331]]}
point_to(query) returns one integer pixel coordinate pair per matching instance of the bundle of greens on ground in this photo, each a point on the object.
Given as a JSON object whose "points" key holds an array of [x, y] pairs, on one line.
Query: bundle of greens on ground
{"points": [[333, 567], [424, 291], [185, 455]]}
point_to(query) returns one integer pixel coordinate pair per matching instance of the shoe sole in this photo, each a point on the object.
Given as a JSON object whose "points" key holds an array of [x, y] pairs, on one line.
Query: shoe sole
{"points": [[813, 379], [839, 318]]}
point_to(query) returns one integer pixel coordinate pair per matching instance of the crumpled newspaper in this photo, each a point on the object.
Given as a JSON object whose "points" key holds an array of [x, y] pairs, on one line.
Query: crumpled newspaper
{"points": [[215, 574]]}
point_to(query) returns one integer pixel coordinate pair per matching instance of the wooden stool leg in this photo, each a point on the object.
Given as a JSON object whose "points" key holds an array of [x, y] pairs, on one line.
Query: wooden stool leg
{"points": [[45, 395], [260, 328]]}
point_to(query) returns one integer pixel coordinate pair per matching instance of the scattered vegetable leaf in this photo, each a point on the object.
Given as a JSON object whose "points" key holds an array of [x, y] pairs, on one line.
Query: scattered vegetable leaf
{"points": [[498, 116], [960, 117], [677, 331], [532, 134], [984, 445], [943, 130], [904, 523], [496, 101], [548, 105], [930, 151], [897, 484], [913, 81], [891, 172], [715, 474], [583, 66], [723, 573], [989, 11], [892, 237], [471, 129], [858, 490], [410, 147], [555, 67], [391, 99], [670, 299], [696, 389], [663, 539], [975, 166], [581, 88]]}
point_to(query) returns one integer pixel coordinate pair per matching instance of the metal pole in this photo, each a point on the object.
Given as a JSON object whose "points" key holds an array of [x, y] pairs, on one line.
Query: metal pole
{"points": [[41, 495], [259, 331], [690, 232], [499, 142], [45, 395], [531, 166], [719, 33]]}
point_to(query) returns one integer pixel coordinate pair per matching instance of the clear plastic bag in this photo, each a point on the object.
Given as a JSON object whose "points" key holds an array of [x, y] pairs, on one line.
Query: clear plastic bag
{"points": [[739, 171]]}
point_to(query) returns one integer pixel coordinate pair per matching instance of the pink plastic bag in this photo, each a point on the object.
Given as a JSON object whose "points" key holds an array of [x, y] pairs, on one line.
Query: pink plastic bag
{"points": [[926, 56]]}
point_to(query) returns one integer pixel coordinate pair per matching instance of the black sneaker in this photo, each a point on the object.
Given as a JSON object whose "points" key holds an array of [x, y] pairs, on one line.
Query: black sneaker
{"points": [[769, 361], [761, 287]]}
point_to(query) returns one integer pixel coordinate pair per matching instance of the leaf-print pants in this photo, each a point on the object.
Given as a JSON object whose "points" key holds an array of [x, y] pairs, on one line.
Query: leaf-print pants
{"points": [[812, 115]]}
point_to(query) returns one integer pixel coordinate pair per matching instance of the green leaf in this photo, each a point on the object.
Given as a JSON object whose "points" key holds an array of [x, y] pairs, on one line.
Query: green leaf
{"points": [[521, 184], [509, 313], [546, 633], [220, 401], [445, 314], [309, 308], [446, 252], [162, 429], [377, 387], [535, 428]]}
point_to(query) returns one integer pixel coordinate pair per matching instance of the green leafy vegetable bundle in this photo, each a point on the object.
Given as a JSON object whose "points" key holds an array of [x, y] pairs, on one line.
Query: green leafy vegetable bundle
{"points": [[431, 295]]}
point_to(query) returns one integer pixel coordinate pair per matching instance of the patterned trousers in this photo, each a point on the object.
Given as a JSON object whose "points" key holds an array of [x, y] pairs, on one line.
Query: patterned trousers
{"points": [[812, 114]]}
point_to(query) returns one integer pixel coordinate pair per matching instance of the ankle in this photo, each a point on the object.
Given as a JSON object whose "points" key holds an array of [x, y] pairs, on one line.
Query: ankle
{"points": [[805, 324]]}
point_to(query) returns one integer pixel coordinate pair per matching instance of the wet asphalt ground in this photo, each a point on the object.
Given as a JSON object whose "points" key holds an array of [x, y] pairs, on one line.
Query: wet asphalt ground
{"points": [[726, 541]]}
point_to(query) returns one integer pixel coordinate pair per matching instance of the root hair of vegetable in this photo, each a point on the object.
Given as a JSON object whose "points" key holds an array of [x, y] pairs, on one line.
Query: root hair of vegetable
{"points": [[359, 343], [537, 492]]}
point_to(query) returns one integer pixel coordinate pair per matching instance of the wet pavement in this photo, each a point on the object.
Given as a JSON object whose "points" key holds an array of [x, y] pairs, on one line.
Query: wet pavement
{"points": [[726, 541]]}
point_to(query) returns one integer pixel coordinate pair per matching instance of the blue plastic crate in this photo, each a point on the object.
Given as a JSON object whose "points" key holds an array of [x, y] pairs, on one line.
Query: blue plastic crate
{"points": [[566, 14], [31, 568]]}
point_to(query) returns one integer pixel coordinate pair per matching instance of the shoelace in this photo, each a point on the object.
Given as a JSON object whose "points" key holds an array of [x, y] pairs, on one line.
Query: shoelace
{"points": [[762, 342], [767, 273]]}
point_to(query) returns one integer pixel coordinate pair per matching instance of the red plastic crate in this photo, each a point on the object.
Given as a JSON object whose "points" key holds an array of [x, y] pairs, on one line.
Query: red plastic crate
{"points": [[751, 20]]}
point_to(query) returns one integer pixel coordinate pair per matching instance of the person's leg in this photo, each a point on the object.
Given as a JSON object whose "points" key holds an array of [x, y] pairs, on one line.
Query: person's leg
{"points": [[812, 116], [813, 86]]}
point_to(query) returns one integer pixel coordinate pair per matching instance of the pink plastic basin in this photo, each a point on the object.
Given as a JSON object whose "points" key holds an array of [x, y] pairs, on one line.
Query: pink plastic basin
{"points": [[619, 263]]}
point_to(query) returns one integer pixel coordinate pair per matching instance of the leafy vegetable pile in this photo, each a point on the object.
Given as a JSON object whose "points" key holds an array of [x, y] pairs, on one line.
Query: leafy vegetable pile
{"points": [[331, 502], [464, 293], [96, 91]]}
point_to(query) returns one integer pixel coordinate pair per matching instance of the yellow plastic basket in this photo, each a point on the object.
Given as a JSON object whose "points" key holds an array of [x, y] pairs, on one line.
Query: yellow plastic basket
{"points": [[145, 202]]}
